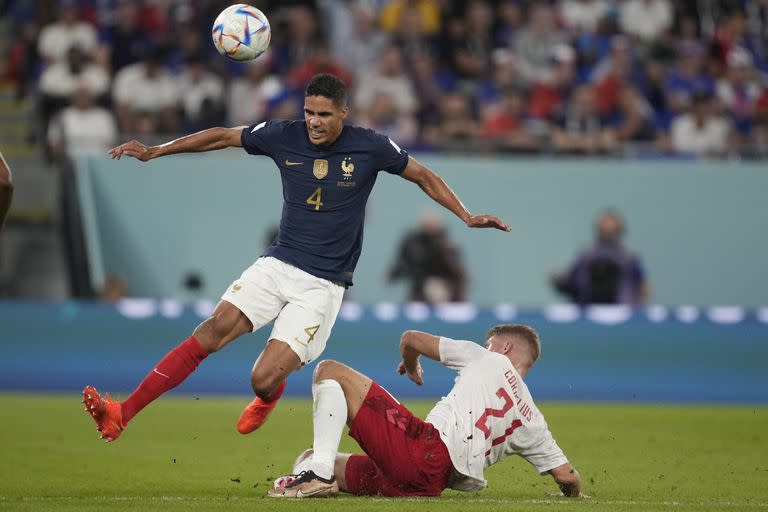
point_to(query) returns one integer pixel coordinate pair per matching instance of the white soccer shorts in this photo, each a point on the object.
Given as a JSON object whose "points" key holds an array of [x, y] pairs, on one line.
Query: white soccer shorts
{"points": [[303, 307]]}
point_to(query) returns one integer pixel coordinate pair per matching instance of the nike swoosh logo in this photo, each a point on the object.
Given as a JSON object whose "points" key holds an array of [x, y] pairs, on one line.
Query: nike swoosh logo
{"points": [[289, 163], [300, 494], [160, 373]]}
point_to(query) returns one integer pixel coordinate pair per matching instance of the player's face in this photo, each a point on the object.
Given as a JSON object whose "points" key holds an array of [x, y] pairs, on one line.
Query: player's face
{"points": [[324, 119]]}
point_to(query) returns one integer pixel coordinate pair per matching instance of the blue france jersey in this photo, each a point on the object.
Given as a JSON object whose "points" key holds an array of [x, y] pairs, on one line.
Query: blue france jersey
{"points": [[325, 189]]}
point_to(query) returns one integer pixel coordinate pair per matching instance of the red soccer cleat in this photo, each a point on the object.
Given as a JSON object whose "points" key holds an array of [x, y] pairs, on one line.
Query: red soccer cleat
{"points": [[257, 412], [105, 412]]}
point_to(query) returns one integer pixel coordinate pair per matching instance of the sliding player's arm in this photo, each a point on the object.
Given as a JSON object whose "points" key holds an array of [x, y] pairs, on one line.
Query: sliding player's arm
{"points": [[434, 186], [568, 479], [453, 354], [6, 189], [414, 344], [206, 140]]}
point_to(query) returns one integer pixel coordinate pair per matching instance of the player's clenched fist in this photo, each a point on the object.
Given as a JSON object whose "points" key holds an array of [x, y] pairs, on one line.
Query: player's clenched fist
{"points": [[415, 374], [133, 148]]}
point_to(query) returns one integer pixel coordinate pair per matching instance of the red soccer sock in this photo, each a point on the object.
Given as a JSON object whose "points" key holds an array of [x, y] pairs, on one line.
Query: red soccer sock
{"points": [[277, 393], [171, 371]]}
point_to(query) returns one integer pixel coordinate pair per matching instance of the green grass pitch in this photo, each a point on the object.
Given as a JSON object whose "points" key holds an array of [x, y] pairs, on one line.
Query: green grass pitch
{"points": [[183, 453]]}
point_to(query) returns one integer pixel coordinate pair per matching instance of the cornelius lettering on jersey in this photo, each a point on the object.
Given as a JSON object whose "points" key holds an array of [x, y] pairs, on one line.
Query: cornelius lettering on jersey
{"points": [[525, 410]]}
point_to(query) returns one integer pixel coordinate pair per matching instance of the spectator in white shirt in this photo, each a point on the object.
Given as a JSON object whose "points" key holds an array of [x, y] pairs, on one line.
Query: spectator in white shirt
{"points": [[389, 78], [249, 96], [582, 15], [202, 96], [60, 79], [699, 131], [82, 128], [646, 19], [738, 91], [146, 90], [57, 38], [362, 50], [535, 42]]}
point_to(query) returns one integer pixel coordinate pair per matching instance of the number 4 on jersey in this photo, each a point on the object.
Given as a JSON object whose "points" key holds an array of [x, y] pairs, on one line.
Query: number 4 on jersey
{"points": [[316, 198]]}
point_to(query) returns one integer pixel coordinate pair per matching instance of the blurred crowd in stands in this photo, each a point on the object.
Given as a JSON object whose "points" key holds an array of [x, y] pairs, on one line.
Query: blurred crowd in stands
{"points": [[569, 76]]}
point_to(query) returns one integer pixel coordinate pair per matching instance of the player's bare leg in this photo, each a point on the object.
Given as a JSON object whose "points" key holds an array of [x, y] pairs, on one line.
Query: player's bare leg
{"points": [[225, 324], [338, 393], [276, 362]]}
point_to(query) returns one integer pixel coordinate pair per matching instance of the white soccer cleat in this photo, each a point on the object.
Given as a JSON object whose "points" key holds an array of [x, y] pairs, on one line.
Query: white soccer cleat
{"points": [[305, 485], [284, 481]]}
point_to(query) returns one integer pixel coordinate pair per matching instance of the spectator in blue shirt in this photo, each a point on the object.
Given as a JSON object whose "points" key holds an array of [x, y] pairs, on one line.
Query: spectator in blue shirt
{"points": [[606, 273]]}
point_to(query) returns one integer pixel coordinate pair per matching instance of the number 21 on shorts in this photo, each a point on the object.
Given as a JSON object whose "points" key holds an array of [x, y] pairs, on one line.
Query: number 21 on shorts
{"points": [[316, 199]]}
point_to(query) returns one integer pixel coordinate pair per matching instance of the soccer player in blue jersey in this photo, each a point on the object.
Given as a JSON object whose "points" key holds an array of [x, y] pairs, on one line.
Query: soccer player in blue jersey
{"points": [[327, 170]]}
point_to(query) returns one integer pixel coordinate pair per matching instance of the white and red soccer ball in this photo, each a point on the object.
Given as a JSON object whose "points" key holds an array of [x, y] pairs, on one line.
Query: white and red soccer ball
{"points": [[241, 32]]}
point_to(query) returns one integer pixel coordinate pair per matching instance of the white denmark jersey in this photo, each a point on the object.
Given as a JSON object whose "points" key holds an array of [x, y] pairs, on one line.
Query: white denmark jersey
{"points": [[488, 415]]}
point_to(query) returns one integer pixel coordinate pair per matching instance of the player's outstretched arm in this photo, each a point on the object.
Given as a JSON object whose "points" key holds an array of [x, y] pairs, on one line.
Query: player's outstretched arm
{"points": [[414, 344], [568, 480], [206, 140], [434, 186], [6, 189]]}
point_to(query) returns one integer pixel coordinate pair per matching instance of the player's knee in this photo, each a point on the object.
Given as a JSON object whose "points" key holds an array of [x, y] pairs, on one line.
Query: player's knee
{"points": [[212, 333], [264, 383], [206, 335], [327, 369]]}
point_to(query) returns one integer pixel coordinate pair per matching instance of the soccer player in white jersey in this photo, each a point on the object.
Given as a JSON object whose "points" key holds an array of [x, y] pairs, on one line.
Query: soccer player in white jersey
{"points": [[488, 415]]}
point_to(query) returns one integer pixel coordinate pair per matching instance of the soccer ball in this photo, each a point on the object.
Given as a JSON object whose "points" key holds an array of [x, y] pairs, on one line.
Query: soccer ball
{"points": [[241, 32]]}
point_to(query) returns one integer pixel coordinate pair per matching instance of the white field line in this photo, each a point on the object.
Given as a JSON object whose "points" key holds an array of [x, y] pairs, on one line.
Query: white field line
{"points": [[498, 501]]}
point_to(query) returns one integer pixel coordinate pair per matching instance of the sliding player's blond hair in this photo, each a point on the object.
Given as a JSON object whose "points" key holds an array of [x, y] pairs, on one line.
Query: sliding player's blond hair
{"points": [[528, 334]]}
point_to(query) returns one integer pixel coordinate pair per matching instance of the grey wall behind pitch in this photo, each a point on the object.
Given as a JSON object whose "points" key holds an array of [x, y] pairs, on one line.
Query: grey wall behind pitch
{"points": [[699, 227]]}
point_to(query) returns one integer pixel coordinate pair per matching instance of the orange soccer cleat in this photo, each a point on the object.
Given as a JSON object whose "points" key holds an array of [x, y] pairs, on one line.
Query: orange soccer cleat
{"points": [[257, 412], [105, 412]]}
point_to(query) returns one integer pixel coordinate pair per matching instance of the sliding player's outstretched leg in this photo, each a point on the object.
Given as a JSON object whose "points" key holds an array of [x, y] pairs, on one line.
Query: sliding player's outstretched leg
{"points": [[268, 380], [225, 324]]}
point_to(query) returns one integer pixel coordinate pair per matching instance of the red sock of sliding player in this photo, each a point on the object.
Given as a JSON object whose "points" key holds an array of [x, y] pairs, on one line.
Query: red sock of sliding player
{"points": [[171, 371]]}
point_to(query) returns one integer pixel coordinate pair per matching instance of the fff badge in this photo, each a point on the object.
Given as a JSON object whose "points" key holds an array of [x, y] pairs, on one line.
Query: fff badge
{"points": [[320, 169]]}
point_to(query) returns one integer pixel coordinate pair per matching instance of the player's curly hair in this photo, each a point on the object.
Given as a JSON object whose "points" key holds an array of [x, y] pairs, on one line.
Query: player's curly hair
{"points": [[329, 86], [521, 331]]}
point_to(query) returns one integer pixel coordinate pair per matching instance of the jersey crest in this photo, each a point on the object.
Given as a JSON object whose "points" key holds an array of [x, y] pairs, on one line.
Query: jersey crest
{"points": [[320, 168], [348, 167]]}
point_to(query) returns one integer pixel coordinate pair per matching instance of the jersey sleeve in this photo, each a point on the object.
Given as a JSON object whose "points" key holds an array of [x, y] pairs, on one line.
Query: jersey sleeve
{"points": [[389, 156], [545, 454], [261, 138], [456, 354]]}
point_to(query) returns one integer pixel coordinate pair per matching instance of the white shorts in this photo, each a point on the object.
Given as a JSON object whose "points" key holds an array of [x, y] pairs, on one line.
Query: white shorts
{"points": [[304, 307]]}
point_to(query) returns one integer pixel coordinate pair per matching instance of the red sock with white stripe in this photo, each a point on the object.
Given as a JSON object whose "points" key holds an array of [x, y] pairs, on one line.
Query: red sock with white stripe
{"points": [[171, 371]]}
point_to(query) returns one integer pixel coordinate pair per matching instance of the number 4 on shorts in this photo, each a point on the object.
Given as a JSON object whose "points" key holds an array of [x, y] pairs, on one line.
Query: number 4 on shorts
{"points": [[311, 331]]}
